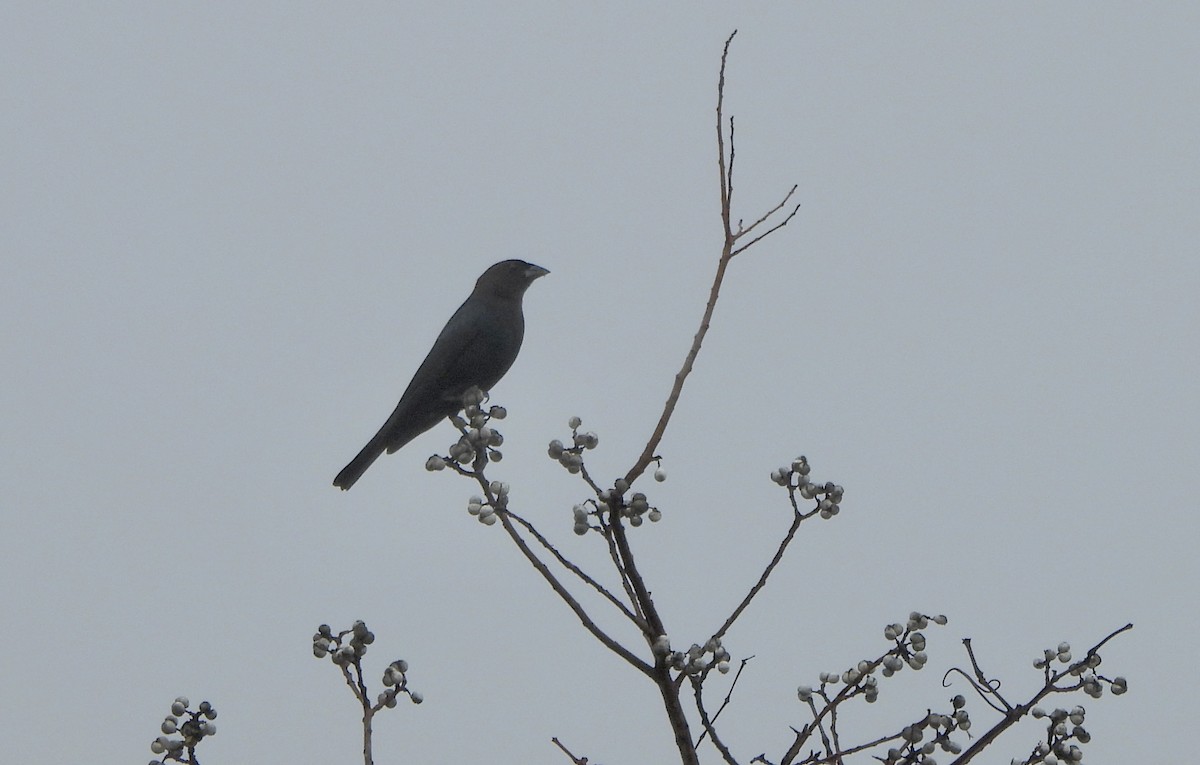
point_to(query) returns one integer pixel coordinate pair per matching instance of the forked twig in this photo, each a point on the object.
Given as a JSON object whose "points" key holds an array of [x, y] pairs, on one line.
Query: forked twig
{"points": [[725, 168], [574, 569], [569, 599]]}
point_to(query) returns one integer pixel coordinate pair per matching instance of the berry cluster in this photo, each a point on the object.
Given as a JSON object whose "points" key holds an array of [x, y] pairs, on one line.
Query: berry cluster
{"points": [[1062, 727], [908, 649], [916, 742], [571, 457], [695, 660], [478, 437], [635, 508], [910, 642], [193, 729], [916, 748], [1091, 683], [395, 679], [484, 510], [795, 478], [342, 653], [346, 649]]}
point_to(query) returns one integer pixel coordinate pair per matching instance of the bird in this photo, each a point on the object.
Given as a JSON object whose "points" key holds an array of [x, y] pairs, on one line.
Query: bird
{"points": [[475, 348]]}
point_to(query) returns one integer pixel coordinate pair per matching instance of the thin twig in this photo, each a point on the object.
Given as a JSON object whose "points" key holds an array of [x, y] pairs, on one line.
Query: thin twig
{"points": [[1109, 637], [797, 519], [836, 751], [729, 173], [615, 556], [567, 752], [661, 672], [726, 185], [728, 694], [689, 361], [769, 231], [698, 692], [725, 169], [819, 723], [569, 599], [743, 231], [574, 569], [660, 429], [984, 691], [983, 686], [654, 622], [360, 690]]}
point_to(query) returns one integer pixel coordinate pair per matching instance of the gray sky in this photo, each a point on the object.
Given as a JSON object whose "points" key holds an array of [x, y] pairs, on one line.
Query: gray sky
{"points": [[232, 231]]}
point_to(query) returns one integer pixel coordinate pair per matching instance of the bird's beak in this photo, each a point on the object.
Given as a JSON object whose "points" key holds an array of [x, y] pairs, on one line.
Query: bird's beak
{"points": [[533, 272]]}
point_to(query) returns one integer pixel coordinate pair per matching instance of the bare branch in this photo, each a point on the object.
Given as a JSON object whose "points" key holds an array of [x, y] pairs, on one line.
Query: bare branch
{"points": [[819, 724], [983, 686], [729, 173], [726, 177], [615, 555], [769, 231], [728, 694], [797, 519], [725, 168], [1109, 637], [569, 599], [647, 455], [642, 593], [985, 691], [698, 692], [567, 752], [574, 569], [743, 231]]}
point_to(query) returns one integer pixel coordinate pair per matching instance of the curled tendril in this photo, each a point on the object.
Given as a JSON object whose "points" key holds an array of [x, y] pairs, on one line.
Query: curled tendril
{"points": [[986, 690]]}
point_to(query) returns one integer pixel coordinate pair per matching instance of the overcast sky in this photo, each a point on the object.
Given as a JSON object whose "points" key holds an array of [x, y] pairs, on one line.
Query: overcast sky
{"points": [[232, 230]]}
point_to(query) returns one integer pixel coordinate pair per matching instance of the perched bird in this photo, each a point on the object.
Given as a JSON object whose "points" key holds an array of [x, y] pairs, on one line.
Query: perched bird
{"points": [[475, 348]]}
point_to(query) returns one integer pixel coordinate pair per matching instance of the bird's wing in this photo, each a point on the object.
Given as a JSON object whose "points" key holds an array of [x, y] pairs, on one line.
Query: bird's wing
{"points": [[453, 361], [460, 357]]}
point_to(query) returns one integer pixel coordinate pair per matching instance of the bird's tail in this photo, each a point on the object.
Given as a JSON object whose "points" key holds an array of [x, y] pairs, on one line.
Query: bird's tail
{"points": [[359, 464]]}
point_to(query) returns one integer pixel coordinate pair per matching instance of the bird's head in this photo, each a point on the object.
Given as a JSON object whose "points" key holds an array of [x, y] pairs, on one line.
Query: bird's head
{"points": [[509, 278]]}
